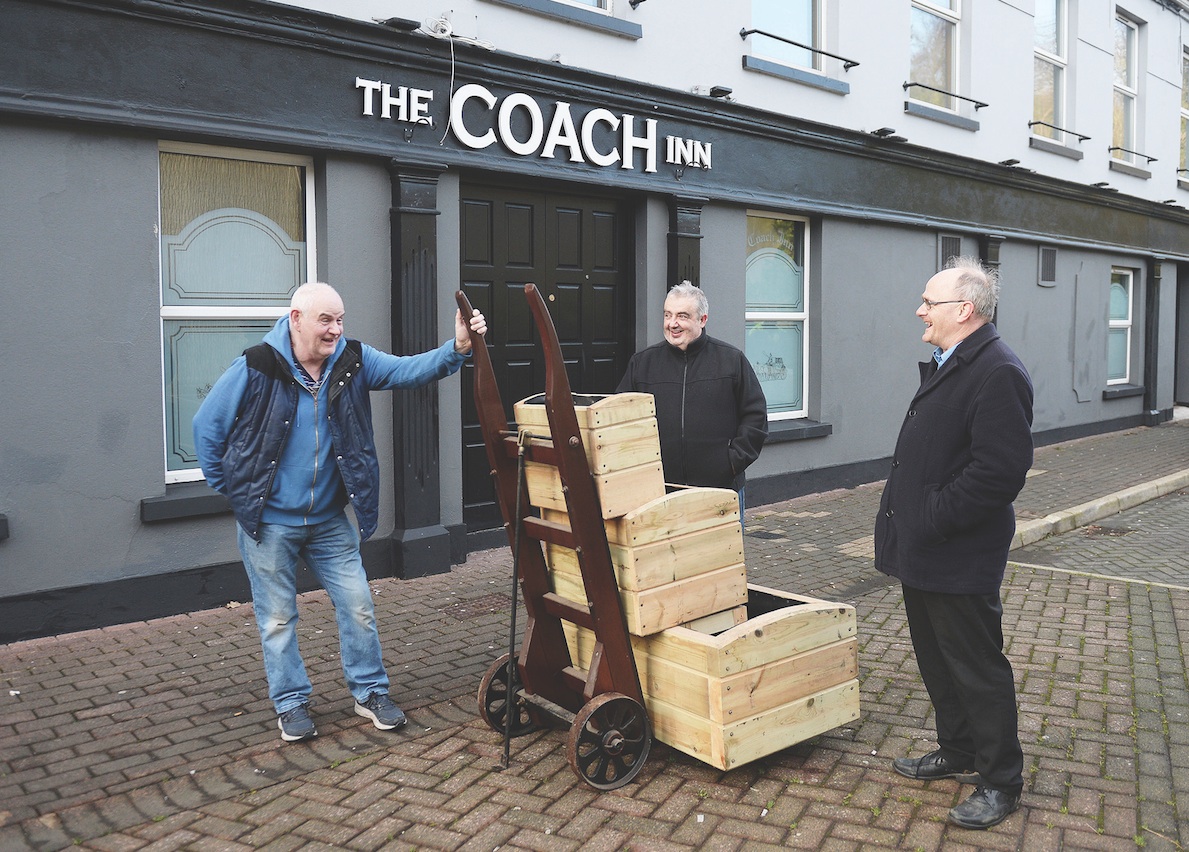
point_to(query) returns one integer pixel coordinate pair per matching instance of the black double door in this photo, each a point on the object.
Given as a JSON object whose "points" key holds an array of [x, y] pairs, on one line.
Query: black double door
{"points": [[576, 250]]}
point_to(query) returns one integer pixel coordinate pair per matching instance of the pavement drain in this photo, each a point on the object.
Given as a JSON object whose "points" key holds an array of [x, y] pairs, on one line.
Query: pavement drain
{"points": [[464, 610]]}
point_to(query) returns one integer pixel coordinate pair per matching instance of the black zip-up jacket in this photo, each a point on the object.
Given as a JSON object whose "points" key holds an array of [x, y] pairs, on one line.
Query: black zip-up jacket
{"points": [[710, 410]]}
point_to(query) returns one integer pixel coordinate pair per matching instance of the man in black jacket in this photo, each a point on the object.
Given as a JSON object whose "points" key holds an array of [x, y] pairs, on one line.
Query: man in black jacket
{"points": [[944, 528], [710, 409]]}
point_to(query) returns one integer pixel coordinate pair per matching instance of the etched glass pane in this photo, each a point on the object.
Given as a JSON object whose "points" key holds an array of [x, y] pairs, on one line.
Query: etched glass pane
{"points": [[232, 231], [1116, 354], [1120, 298], [196, 354], [775, 273], [776, 351], [1121, 129]]}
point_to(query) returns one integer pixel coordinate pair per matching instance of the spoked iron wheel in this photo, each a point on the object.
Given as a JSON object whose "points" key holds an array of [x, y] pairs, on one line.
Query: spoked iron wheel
{"points": [[609, 741], [493, 700]]}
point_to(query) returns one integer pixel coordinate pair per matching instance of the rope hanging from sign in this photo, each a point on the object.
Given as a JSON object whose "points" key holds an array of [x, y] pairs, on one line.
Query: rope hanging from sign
{"points": [[441, 28]]}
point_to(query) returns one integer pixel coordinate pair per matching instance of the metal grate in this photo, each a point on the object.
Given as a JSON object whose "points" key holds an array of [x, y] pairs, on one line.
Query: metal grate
{"points": [[1047, 274], [949, 246]]}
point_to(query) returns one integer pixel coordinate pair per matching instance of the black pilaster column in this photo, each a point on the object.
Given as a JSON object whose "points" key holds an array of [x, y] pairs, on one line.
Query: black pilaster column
{"points": [[421, 544], [685, 240], [1152, 414]]}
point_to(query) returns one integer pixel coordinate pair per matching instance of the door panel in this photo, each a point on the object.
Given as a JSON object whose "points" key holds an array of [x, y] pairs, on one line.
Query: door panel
{"points": [[574, 248]]}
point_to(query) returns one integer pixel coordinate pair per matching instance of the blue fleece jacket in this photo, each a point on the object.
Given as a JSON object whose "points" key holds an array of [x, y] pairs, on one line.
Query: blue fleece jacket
{"points": [[307, 486]]}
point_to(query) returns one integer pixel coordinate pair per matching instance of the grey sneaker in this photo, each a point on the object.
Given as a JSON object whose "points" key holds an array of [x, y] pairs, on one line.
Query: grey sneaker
{"points": [[296, 724], [384, 714]]}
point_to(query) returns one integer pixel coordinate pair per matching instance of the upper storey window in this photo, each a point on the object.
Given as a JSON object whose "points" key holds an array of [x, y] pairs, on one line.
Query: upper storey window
{"points": [[795, 20], [933, 51], [1126, 78], [1050, 59]]}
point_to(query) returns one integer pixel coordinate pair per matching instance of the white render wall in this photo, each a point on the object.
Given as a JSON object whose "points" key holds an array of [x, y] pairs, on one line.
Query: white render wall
{"points": [[688, 43]]}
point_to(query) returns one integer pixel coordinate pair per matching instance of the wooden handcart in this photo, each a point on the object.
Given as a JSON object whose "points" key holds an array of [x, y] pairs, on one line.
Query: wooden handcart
{"points": [[610, 734]]}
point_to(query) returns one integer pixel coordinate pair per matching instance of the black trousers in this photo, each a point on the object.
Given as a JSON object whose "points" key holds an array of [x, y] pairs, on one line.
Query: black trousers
{"points": [[958, 641]]}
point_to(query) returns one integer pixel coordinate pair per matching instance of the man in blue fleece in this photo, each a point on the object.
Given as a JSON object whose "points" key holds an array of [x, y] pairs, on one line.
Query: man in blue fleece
{"points": [[286, 434]]}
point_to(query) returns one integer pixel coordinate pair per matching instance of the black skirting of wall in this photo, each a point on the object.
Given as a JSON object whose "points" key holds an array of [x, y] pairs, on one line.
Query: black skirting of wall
{"points": [[70, 610]]}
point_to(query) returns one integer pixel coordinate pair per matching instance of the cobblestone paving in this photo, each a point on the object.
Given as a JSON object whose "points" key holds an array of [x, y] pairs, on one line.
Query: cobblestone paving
{"points": [[158, 735]]}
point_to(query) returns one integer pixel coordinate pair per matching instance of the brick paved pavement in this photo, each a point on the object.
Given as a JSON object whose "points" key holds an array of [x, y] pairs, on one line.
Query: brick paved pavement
{"points": [[158, 735]]}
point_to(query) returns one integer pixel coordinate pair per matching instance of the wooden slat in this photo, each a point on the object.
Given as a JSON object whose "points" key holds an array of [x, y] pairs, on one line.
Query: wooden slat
{"points": [[568, 610], [551, 532]]}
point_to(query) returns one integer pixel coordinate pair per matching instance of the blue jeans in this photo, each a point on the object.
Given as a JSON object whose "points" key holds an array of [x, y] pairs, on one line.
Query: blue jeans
{"points": [[331, 549]]}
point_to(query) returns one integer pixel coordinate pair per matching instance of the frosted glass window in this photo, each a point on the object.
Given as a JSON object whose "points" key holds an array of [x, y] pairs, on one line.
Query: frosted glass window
{"points": [[777, 320], [234, 247], [1118, 358]]}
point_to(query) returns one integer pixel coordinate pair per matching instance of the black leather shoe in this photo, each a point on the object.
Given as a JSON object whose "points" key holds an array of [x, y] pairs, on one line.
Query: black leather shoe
{"points": [[985, 807], [933, 766]]}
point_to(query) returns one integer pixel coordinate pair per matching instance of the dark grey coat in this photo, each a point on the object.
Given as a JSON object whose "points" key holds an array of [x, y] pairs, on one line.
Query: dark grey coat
{"points": [[945, 521]]}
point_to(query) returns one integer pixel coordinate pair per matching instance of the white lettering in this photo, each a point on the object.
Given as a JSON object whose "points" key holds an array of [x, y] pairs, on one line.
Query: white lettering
{"points": [[458, 103], [645, 143], [419, 106], [701, 154], [562, 132], [401, 102], [536, 127], [370, 87], [588, 124]]}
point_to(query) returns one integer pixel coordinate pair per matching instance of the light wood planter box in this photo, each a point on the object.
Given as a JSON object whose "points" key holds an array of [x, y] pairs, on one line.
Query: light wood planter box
{"points": [[676, 558], [786, 674], [622, 446]]}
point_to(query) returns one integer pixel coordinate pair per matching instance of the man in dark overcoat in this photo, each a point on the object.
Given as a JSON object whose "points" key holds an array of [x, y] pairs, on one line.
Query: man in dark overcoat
{"points": [[944, 528]]}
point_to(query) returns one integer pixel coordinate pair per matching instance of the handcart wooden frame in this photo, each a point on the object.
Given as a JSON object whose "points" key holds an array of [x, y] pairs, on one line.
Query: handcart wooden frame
{"points": [[603, 704]]}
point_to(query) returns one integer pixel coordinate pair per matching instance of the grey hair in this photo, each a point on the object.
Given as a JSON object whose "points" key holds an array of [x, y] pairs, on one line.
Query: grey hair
{"points": [[977, 283], [304, 296], [686, 290]]}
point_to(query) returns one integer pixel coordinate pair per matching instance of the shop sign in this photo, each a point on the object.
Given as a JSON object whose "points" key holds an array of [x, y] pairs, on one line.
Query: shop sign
{"points": [[525, 128]]}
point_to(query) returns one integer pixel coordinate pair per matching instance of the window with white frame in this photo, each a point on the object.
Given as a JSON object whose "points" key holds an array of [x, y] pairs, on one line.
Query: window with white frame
{"points": [[1049, 64], [1184, 115], [235, 238], [777, 318], [1126, 78], [604, 5], [1118, 350], [933, 51], [795, 20]]}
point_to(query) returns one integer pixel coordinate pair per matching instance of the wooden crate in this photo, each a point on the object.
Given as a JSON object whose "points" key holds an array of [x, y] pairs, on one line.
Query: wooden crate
{"points": [[676, 558], [622, 446], [786, 674]]}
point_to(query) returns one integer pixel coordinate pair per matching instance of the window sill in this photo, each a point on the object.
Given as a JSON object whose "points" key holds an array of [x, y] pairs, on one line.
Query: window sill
{"points": [[1128, 169], [1055, 148], [575, 15], [935, 114], [1123, 391], [796, 75], [184, 500], [783, 431]]}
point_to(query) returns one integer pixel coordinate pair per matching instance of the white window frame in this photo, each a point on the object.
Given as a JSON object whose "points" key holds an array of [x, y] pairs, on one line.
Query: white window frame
{"points": [[1182, 175], [1128, 91], [604, 6], [954, 18], [200, 312], [801, 316], [1124, 324], [1060, 63]]}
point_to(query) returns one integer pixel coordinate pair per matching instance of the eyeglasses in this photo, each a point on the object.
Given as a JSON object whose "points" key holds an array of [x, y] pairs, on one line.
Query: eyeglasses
{"points": [[930, 305]]}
